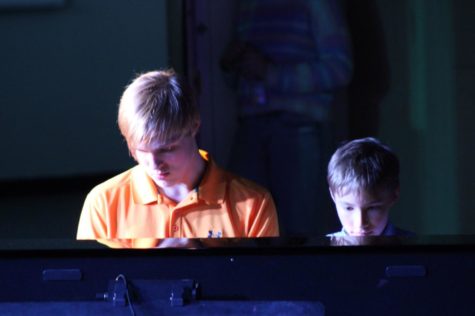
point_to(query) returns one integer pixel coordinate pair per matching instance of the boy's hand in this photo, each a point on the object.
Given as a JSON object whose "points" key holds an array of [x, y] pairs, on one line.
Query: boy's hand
{"points": [[253, 64], [245, 59]]}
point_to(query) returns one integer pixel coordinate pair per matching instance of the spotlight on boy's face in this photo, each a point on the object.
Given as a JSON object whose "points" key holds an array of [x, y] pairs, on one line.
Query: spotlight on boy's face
{"points": [[364, 213], [167, 163]]}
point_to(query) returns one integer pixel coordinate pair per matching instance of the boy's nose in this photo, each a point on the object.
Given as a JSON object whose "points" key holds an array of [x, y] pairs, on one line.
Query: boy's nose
{"points": [[156, 161], [360, 219]]}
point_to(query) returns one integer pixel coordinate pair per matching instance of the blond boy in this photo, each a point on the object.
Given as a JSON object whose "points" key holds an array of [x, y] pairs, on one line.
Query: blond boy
{"points": [[176, 189]]}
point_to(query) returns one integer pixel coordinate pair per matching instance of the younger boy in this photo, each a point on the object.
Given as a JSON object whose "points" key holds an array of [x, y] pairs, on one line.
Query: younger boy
{"points": [[363, 178]]}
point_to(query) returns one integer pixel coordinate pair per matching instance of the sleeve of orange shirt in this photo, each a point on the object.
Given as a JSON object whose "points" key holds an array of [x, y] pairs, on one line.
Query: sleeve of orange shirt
{"points": [[92, 224], [265, 222]]}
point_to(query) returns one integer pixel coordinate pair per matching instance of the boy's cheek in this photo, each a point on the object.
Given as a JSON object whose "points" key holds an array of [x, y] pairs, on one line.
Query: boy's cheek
{"points": [[381, 222], [345, 217]]}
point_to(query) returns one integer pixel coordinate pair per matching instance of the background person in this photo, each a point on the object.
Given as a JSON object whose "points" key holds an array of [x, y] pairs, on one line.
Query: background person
{"points": [[290, 58]]}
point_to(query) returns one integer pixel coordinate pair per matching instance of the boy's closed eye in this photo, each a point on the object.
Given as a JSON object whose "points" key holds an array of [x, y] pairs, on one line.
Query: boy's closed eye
{"points": [[167, 149], [164, 149], [375, 208]]}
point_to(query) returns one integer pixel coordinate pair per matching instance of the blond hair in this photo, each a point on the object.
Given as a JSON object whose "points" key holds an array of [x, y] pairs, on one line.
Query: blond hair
{"points": [[157, 105]]}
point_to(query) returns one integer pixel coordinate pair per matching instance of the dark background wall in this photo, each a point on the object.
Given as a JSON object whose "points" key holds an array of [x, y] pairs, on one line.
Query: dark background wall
{"points": [[428, 111], [464, 28], [62, 71]]}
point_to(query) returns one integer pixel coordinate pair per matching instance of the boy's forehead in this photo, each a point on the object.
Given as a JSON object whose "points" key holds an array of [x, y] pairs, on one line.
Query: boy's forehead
{"points": [[363, 193]]}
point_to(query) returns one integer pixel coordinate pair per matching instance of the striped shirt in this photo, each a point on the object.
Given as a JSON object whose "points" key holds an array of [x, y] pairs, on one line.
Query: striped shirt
{"points": [[307, 44]]}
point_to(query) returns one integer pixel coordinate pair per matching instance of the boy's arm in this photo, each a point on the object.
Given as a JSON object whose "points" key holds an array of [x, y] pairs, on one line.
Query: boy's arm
{"points": [[92, 224], [265, 222]]}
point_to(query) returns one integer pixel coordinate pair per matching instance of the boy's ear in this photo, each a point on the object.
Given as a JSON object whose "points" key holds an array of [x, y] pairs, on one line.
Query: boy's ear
{"points": [[195, 128], [396, 195], [331, 194], [131, 152]]}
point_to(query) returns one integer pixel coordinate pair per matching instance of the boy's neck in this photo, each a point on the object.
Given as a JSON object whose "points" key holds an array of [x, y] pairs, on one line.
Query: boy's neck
{"points": [[178, 192]]}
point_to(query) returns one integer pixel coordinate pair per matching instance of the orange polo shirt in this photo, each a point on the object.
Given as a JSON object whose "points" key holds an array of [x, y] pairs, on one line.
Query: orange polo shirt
{"points": [[129, 206]]}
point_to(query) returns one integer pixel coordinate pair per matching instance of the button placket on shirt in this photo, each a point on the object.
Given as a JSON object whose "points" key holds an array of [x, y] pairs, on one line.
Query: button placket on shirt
{"points": [[175, 227]]}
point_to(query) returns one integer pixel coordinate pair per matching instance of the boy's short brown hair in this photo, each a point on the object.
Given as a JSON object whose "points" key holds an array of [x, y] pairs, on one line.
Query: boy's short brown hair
{"points": [[363, 164]]}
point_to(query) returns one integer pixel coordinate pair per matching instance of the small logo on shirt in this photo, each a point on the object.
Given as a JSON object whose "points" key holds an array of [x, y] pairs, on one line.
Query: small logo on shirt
{"points": [[211, 234]]}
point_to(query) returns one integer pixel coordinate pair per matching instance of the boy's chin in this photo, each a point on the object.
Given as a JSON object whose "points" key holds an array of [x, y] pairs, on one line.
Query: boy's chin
{"points": [[367, 233]]}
